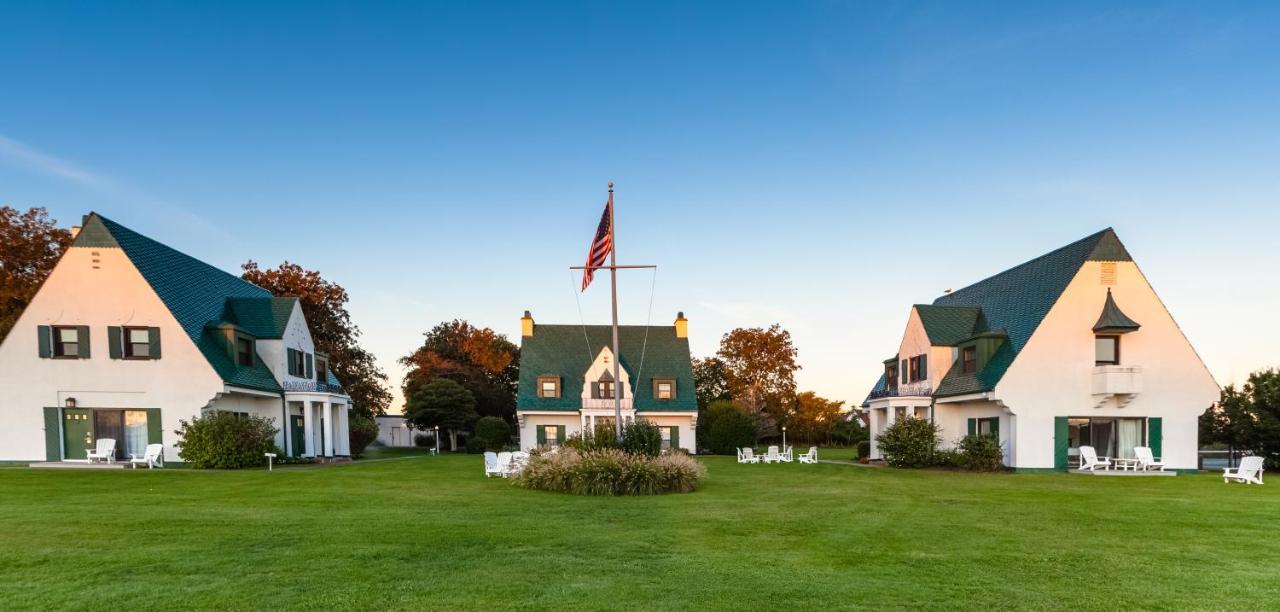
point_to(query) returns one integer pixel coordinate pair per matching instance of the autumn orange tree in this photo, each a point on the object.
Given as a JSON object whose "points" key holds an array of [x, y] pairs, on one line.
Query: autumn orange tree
{"points": [[324, 303], [814, 418], [478, 358], [760, 372], [30, 245]]}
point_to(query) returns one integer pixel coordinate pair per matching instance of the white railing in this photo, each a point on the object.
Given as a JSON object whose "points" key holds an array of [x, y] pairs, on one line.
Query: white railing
{"points": [[1117, 380]]}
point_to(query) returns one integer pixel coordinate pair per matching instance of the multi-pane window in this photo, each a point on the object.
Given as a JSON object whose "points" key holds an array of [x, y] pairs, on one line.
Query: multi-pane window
{"points": [[914, 369], [1106, 350], [66, 342], [551, 433], [244, 351], [137, 343], [969, 359], [891, 375], [664, 389], [549, 386], [322, 369], [606, 389], [299, 364]]}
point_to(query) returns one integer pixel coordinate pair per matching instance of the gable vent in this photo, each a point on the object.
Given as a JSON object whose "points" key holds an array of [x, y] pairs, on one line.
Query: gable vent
{"points": [[1108, 273]]}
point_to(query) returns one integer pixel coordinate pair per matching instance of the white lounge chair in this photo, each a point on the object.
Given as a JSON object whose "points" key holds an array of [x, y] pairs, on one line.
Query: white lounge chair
{"points": [[152, 458], [1147, 460], [504, 464], [491, 465], [787, 455], [811, 456], [747, 455], [105, 451], [1249, 472], [518, 462], [772, 456], [1090, 461]]}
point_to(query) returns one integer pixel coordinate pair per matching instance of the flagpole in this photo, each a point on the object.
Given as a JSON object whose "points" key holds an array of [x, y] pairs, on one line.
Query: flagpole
{"points": [[613, 282]]}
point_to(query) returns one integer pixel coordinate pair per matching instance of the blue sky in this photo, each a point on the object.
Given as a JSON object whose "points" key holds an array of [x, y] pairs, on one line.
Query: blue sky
{"points": [[823, 165]]}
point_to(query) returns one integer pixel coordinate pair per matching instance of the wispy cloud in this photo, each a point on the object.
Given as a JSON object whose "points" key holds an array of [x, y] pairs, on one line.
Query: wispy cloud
{"points": [[27, 158]]}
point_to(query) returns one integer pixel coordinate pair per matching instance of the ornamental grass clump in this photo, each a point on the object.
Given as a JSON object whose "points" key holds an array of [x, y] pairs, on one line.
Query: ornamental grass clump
{"points": [[610, 472]]}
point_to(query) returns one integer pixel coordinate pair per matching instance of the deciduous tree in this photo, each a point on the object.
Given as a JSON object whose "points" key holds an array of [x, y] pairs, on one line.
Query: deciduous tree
{"points": [[442, 403], [1248, 418], [709, 382], [760, 366], [480, 359], [814, 418], [30, 245], [324, 303]]}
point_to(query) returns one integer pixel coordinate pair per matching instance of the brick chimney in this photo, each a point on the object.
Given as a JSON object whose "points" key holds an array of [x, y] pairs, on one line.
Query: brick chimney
{"points": [[682, 326], [526, 325]]}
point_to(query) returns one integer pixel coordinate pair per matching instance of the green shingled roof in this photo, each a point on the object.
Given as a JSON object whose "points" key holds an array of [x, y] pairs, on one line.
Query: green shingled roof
{"points": [[1017, 300], [568, 350], [950, 325], [195, 292], [262, 317]]}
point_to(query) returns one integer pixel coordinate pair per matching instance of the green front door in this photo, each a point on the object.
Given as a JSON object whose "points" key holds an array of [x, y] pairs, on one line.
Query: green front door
{"points": [[77, 432], [297, 432]]}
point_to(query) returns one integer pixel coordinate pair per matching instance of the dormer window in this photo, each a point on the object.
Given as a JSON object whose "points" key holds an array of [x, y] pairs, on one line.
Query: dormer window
{"points": [[891, 375], [244, 351], [606, 389], [969, 359], [322, 369], [299, 364], [664, 388], [549, 387], [1106, 350]]}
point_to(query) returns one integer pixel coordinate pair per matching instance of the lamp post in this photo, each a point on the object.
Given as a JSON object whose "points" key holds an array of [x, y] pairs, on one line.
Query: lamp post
{"points": [[784, 438], [437, 437]]}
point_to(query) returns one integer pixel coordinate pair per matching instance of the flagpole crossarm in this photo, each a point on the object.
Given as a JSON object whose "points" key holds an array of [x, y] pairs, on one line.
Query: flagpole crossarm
{"points": [[618, 267]]}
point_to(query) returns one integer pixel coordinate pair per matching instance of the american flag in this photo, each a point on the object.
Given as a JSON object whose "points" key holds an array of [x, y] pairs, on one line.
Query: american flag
{"points": [[600, 246]]}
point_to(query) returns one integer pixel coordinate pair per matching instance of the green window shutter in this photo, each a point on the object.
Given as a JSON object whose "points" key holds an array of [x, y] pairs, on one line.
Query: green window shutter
{"points": [[82, 332], [310, 368], [904, 372], [1155, 436], [995, 427], [595, 390], [155, 343], [675, 437], [560, 437], [290, 358], [155, 433], [1060, 443], [542, 434], [44, 335], [114, 336], [973, 427], [52, 434], [924, 367]]}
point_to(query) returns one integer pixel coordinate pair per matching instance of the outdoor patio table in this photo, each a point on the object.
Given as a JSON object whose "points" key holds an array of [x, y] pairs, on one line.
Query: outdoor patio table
{"points": [[1126, 464]]}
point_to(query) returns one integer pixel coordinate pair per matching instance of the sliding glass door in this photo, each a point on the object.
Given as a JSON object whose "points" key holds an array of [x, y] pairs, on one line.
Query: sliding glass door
{"points": [[1110, 437]]}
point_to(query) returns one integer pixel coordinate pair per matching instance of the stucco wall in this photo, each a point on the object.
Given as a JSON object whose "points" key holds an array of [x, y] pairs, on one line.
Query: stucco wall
{"points": [[97, 287], [1053, 375]]}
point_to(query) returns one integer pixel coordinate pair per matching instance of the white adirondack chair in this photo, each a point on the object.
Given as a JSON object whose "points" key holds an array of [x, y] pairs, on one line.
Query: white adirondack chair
{"points": [[491, 465], [1147, 460], [772, 456], [518, 462], [152, 458], [788, 455], [504, 464], [811, 456], [747, 455], [1089, 460], [105, 451], [1249, 472]]}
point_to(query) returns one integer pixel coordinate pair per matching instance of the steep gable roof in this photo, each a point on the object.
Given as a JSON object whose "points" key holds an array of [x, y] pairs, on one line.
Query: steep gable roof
{"points": [[1019, 298], [262, 317], [950, 325], [195, 292], [567, 351]]}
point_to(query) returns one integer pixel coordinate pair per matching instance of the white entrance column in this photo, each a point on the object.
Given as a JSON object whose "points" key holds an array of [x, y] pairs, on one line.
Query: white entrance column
{"points": [[328, 428], [308, 431], [344, 434], [873, 426]]}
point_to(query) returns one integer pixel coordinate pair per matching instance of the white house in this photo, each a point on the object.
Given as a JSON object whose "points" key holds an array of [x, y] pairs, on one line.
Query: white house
{"points": [[567, 386], [394, 430], [128, 336], [1069, 349]]}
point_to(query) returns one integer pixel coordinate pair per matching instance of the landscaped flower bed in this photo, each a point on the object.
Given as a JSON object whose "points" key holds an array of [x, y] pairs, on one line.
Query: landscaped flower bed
{"points": [[611, 472]]}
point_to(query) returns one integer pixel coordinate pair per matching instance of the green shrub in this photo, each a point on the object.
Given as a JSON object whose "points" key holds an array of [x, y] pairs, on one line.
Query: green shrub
{"points": [[493, 433], [226, 440], [729, 428], [610, 472], [424, 441], [642, 438], [603, 437], [362, 431], [864, 449], [909, 442], [949, 458], [473, 445], [981, 453]]}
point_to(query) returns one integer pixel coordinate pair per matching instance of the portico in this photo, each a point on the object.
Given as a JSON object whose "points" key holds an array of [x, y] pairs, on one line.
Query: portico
{"points": [[318, 425]]}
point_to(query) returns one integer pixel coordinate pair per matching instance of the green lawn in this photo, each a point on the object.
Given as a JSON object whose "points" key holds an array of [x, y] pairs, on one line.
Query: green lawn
{"points": [[432, 532]]}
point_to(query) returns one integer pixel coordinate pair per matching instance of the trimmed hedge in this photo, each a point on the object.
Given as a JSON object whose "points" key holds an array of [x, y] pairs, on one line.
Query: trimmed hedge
{"points": [[226, 440], [909, 442]]}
